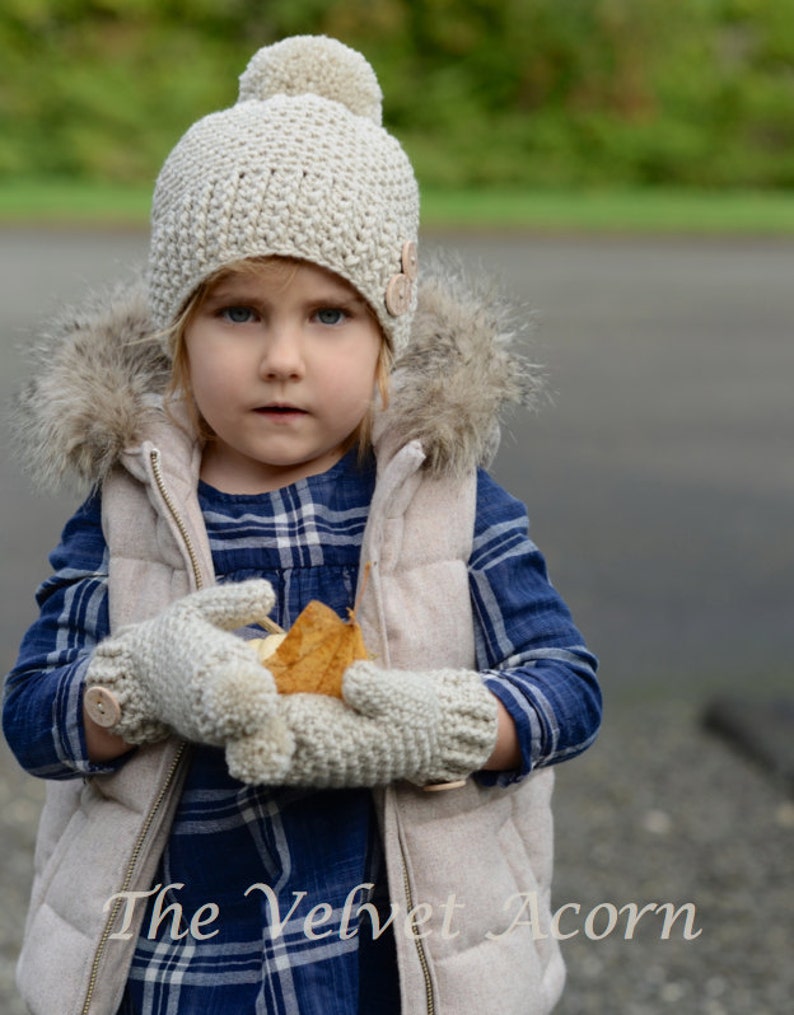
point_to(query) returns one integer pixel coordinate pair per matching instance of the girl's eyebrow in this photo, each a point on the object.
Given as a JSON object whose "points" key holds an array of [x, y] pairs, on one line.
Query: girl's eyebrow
{"points": [[232, 294], [341, 298], [241, 293]]}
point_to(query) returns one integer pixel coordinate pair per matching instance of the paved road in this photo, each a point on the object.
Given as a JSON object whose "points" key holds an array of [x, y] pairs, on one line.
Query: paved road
{"points": [[661, 487], [660, 484]]}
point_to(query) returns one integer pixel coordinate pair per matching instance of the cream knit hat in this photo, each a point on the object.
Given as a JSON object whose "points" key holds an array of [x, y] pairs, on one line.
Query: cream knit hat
{"points": [[299, 167]]}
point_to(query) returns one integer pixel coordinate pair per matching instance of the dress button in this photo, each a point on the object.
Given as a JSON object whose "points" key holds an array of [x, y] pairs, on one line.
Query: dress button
{"points": [[102, 706], [441, 787]]}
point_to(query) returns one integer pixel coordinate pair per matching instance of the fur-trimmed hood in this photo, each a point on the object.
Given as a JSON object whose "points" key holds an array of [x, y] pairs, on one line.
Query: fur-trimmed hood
{"points": [[99, 371]]}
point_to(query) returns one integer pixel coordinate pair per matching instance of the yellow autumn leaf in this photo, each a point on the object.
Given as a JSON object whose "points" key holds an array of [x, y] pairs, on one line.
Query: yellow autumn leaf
{"points": [[315, 653]]}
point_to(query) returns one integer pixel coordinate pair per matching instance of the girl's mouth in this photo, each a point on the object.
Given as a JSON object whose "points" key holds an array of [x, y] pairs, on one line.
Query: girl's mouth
{"points": [[280, 411]]}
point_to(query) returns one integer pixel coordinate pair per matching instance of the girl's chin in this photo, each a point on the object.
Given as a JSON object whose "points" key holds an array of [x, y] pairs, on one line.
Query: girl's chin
{"points": [[236, 474]]}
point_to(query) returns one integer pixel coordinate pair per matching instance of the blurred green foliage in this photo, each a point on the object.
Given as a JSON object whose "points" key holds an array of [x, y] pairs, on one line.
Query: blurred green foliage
{"points": [[548, 93]]}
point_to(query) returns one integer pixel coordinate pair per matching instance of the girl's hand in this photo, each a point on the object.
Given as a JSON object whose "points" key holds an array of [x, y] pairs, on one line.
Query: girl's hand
{"points": [[431, 727], [184, 671]]}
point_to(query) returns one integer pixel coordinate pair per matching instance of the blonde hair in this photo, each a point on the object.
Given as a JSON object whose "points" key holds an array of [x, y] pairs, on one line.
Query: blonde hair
{"points": [[179, 384]]}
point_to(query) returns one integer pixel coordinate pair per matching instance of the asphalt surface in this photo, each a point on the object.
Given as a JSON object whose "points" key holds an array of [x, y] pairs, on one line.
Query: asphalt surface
{"points": [[661, 489]]}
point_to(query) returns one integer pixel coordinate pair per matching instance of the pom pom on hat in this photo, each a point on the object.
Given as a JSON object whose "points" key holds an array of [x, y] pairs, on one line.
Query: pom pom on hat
{"points": [[299, 167], [317, 65]]}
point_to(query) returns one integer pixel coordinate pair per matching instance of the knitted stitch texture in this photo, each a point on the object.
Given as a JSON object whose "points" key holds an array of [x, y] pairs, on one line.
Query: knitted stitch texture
{"points": [[299, 167], [184, 671], [425, 727]]}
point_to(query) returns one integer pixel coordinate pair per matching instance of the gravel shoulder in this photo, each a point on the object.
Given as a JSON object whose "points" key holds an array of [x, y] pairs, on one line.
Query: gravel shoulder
{"points": [[660, 810]]}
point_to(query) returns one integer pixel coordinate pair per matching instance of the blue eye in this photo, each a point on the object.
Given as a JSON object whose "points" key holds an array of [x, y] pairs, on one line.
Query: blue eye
{"points": [[237, 315], [330, 315]]}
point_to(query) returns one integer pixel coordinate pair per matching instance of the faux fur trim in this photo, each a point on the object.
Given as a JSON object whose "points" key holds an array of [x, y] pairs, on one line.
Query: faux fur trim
{"points": [[461, 372], [97, 369]]}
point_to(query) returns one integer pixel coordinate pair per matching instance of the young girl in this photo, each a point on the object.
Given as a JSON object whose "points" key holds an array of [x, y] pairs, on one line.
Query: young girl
{"points": [[287, 406]]}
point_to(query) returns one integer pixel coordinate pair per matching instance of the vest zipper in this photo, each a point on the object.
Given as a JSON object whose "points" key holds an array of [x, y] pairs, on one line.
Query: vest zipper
{"points": [[128, 874], [420, 948], [157, 471]]}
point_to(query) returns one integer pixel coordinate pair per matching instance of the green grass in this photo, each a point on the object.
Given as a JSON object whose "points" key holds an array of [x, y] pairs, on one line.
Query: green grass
{"points": [[618, 211], [73, 202], [80, 203]]}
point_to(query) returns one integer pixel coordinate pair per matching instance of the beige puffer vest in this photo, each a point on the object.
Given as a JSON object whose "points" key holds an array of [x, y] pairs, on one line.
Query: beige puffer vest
{"points": [[463, 860], [458, 860]]}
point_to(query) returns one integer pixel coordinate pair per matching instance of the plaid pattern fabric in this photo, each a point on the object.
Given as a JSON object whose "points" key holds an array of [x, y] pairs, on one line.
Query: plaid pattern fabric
{"points": [[271, 877]]}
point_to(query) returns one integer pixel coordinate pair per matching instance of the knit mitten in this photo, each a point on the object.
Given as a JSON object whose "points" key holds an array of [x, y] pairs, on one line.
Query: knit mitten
{"points": [[184, 672], [428, 727]]}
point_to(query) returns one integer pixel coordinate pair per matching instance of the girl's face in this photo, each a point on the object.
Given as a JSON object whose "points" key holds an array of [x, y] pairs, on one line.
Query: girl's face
{"points": [[281, 362]]}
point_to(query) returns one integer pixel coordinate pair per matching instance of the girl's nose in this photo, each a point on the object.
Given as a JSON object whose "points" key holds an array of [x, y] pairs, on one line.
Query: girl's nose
{"points": [[282, 357]]}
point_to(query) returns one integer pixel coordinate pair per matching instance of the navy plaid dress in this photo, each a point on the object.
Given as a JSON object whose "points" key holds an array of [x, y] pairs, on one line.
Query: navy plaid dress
{"points": [[254, 905]]}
